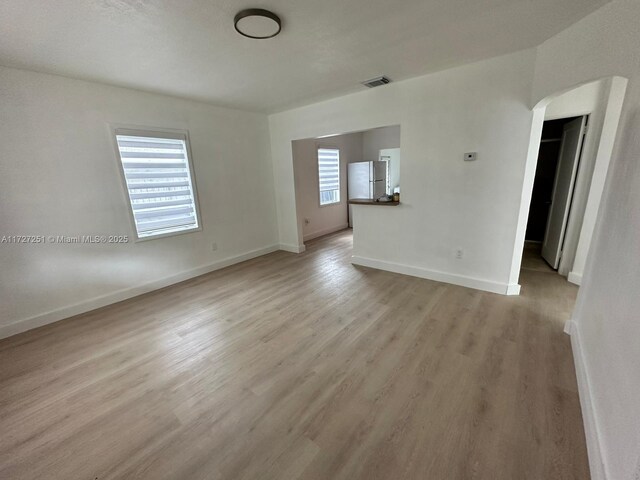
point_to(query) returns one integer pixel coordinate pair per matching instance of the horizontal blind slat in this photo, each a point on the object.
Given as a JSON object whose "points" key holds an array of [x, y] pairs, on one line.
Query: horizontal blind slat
{"points": [[158, 155], [128, 166], [137, 175], [126, 144], [163, 212], [174, 193], [139, 185], [150, 203]]}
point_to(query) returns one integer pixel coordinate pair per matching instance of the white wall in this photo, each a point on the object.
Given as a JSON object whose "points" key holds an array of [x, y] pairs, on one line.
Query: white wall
{"points": [[60, 177], [612, 102], [378, 139], [447, 203], [606, 325], [328, 218], [582, 100]]}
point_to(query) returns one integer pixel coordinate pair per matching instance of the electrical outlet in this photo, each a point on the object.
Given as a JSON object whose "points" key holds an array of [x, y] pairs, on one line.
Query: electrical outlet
{"points": [[459, 253], [214, 246]]}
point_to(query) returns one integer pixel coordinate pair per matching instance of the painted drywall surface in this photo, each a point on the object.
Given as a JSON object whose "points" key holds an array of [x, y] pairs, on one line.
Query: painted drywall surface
{"points": [[606, 43], [613, 102], [579, 101], [378, 139], [328, 218], [60, 177], [589, 99], [447, 203]]}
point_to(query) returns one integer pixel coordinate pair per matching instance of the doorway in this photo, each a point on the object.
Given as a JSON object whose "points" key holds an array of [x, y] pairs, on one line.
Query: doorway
{"points": [[333, 169], [598, 104], [559, 159]]}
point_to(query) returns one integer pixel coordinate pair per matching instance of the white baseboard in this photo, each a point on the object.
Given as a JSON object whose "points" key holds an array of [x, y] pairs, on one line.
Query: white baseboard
{"points": [[123, 294], [513, 289], [462, 280], [287, 247], [569, 325], [575, 278], [591, 430], [325, 231]]}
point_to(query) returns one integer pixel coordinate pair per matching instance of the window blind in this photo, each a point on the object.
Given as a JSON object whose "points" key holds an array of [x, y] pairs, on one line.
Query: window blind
{"points": [[329, 175], [159, 182]]}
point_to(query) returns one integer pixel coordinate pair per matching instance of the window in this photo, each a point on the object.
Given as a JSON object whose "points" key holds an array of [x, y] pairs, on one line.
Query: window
{"points": [[159, 181], [329, 175]]}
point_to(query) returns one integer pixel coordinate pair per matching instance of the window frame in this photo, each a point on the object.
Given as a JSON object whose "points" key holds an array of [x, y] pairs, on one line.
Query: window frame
{"points": [[324, 146], [155, 132]]}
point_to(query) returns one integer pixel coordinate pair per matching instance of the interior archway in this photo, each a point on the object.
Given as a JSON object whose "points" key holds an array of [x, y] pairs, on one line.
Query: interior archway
{"points": [[614, 89]]}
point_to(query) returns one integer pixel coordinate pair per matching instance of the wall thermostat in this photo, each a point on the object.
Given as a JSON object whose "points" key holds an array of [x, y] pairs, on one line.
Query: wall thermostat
{"points": [[470, 156]]}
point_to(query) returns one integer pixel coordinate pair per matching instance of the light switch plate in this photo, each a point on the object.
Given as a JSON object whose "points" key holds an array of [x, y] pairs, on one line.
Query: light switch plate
{"points": [[470, 156]]}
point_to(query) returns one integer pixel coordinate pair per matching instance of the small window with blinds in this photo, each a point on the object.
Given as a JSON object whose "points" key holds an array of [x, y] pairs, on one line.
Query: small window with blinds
{"points": [[157, 172], [329, 175]]}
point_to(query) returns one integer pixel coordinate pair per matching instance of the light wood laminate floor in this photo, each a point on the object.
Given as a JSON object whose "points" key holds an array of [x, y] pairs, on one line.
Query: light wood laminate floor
{"points": [[299, 367]]}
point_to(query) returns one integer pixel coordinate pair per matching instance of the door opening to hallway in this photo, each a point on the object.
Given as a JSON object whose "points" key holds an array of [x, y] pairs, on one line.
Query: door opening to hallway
{"points": [[551, 200]]}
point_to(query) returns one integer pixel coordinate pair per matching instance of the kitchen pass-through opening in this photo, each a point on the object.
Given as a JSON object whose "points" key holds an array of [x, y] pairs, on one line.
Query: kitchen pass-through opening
{"points": [[332, 170]]}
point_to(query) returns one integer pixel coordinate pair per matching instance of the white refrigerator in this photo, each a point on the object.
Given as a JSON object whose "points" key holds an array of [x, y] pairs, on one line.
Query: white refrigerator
{"points": [[366, 180]]}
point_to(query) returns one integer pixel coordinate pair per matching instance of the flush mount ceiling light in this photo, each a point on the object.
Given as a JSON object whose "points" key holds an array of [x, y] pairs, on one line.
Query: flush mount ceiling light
{"points": [[257, 23]]}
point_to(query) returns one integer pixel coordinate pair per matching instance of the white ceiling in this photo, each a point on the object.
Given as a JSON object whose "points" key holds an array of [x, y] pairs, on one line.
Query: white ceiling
{"points": [[189, 48]]}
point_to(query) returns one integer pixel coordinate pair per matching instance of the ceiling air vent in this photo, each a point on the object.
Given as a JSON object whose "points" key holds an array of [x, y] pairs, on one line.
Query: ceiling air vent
{"points": [[376, 82]]}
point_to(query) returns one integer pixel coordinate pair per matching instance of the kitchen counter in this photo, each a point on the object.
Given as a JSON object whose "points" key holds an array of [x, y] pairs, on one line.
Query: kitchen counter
{"points": [[369, 201]]}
